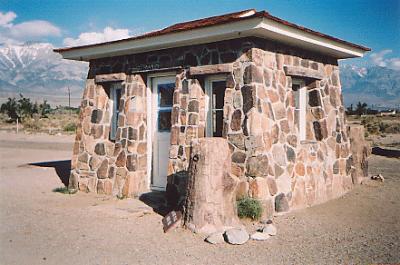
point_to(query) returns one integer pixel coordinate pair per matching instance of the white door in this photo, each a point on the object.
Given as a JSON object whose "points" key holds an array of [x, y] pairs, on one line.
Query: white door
{"points": [[162, 101]]}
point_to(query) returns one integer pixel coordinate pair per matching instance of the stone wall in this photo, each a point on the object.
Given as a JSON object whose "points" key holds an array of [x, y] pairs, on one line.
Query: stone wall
{"points": [[203, 54], [275, 166], [99, 164], [187, 122], [260, 123]]}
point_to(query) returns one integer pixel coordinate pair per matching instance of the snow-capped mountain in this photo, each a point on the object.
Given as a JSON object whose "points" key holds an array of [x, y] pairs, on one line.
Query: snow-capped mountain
{"points": [[34, 70], [374, 85]]}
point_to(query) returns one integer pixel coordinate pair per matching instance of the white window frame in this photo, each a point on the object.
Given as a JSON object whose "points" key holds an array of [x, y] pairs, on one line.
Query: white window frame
{"points": [[113, 107], [209, 101], [302, 108]]}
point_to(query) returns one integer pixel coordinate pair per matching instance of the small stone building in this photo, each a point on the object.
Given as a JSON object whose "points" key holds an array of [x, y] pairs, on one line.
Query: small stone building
{"points": [[269, 87]]}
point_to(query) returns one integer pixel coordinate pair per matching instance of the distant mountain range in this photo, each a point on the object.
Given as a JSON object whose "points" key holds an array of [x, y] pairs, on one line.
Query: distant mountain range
{"points": [[36, 71], [377, 86]]}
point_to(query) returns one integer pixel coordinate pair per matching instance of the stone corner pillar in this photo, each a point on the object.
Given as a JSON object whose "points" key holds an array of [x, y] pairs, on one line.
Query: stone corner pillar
{"points": [[210, 204], [360, 150]]}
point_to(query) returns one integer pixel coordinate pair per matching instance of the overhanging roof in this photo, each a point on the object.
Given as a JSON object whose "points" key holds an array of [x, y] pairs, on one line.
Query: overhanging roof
{"points": [[229, 26]]}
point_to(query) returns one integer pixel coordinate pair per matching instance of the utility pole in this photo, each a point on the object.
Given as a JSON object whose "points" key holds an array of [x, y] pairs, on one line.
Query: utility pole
{"points": [[69, 100], [69, 97]]}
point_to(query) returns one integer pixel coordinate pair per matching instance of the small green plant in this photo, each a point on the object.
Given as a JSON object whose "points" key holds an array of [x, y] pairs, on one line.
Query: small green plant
{"points": [[121, 197], [249, 208], [70, 127], [383, 127], [64, 190]]}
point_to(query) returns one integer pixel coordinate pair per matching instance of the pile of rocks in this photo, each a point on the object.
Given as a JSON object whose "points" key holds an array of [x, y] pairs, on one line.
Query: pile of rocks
{"points": [[239, 236], [374, 180], [378, 177]]}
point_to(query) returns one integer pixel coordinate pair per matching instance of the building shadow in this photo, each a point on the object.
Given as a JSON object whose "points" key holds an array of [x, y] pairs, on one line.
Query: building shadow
{"points": [[386, 152], [62, 168], [157, 201]]}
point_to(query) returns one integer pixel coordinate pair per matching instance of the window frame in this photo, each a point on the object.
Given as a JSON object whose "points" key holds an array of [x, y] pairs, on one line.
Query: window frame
{"points": [[209, 80], [114, 108], [302, 107]]}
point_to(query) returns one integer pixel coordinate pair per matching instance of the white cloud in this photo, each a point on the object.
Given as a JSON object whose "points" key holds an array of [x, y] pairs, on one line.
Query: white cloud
{"points": [[108, 34], [394, 63], [7, 18], [379, 59], [32, 30]]}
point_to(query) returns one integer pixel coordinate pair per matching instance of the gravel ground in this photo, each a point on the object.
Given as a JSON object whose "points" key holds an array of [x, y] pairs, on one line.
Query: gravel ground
{"points": [[38, 226]]}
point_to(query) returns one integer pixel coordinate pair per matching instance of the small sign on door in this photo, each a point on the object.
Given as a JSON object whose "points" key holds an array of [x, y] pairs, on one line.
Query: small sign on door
{"points": [[171, 220]]}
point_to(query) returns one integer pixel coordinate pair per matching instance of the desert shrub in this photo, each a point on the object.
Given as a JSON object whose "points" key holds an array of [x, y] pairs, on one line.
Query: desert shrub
{"points": [[367, 120], [373, 128], [64, 190], [249, 208], [10, 108], [383, 126], [3, 117], [43, 109], [31, 124], [393, 128], [24, 108], [69, 127]]}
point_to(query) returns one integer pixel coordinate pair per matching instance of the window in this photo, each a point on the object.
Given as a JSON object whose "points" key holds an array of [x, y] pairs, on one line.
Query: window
{"points": [[165, 102], [300, 101], [115, 96], [215, 90]]}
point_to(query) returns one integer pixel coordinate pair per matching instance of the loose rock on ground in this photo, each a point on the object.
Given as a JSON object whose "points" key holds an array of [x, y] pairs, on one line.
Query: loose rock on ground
{"points": [[236, 236]]}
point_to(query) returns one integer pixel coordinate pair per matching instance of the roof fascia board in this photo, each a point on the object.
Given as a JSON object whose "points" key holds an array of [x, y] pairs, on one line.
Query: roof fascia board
{"points": [[197, 36], [309, 38], [257, 26]]}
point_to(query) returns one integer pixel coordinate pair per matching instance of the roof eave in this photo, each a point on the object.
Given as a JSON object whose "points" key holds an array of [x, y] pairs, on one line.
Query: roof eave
{"points": [[294, 36], [259, 26], [177, 39]]}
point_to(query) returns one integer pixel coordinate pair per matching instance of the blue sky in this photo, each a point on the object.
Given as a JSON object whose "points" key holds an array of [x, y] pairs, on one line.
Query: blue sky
{"points": [[375, 24]]}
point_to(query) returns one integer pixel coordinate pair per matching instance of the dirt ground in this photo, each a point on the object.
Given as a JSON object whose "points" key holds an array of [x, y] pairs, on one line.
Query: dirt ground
{"points": [[39, 226]]}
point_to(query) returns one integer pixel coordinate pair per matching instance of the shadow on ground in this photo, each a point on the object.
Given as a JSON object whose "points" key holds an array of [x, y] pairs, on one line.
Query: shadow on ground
{"points": [[154, 199], [157, 201], [62, 168], [386, 152]]}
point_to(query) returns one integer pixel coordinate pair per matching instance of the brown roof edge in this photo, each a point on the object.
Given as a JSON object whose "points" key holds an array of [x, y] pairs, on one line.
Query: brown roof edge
{"points": [[178, 27], [290, 24], [212, 21]]}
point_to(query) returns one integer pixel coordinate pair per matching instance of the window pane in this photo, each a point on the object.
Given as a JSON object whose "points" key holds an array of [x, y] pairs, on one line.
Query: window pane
{"points": [[218, 123], [166, 93], [117, 98], [164, 121], [218, 91], [296, 95]]}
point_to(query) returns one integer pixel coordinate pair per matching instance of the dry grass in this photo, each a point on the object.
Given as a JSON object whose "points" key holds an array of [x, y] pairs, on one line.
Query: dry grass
{"points": [[377, 125], [59, 121]]}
